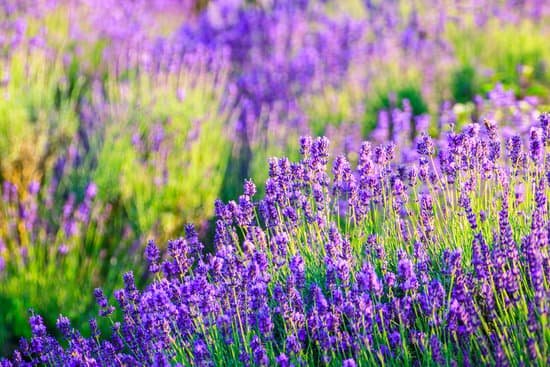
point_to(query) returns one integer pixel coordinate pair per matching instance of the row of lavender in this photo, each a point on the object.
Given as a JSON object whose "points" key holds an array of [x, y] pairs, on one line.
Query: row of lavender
{"points": [[330, 68], [111, 108], [96, 153], [443, 260]]}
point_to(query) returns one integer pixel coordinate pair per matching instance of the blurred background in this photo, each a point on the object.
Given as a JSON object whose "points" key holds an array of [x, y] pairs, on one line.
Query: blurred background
{"points": [[123, 120]]}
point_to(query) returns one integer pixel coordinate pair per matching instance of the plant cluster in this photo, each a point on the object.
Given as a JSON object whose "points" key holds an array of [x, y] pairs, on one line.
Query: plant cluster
{"points": [[439, 261], [120, 121]]}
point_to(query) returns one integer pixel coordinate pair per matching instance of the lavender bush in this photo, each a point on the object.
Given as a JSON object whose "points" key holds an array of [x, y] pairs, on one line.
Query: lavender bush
{"points": [[95, 157], [438, 261], [122, 120], [304, 67]]}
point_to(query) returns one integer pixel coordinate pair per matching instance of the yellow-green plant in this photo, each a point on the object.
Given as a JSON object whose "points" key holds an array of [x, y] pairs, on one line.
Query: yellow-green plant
{"points": [[165, 147]]}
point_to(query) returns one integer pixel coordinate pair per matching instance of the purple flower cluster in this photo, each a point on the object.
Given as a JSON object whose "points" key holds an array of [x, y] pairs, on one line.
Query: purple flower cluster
{"points": [[285, 53], [364, 265], [279, 53], [434, 251], [24, 225]]}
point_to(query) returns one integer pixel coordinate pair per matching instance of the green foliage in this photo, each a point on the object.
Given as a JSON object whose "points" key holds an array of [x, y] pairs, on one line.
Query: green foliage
{"points": [[41, 276], [463, 84], [514, 55], [35, 122], [331, 107], [393, 97], [163, 184]]}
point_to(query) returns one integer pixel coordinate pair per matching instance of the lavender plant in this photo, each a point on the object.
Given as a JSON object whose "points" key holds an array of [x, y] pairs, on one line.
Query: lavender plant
{"points": [[309, 66], [154, 153], [117, 125], [439, 261], [86, 176], [40, 252]]}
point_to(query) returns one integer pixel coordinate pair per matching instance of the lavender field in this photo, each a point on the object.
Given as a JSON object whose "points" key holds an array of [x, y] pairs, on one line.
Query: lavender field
{"points": [[274, 183]]}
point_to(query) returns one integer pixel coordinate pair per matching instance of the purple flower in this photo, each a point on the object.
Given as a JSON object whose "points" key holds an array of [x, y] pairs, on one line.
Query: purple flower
{"points": [[34, 187], [152, 254], [38, 328], [437, 354], [259, 352], [160, 360], [103, 303], [91, 191], [425, 145], [536, 145], [348, 363], [405, 271], [283, 361], [249, 188]]}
